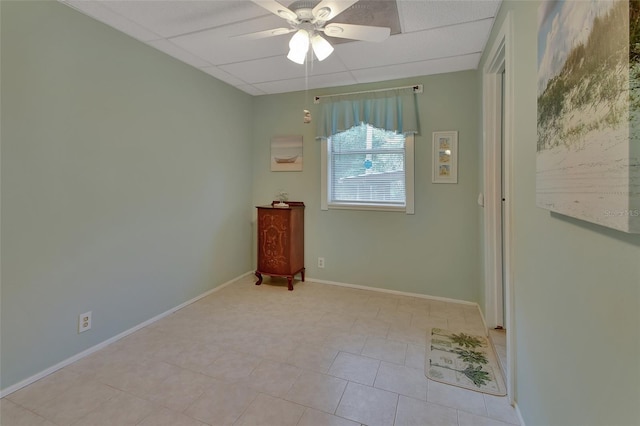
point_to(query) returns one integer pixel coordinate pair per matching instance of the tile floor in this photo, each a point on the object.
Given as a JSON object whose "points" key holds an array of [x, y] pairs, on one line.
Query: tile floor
{"points": [[321, 355]]}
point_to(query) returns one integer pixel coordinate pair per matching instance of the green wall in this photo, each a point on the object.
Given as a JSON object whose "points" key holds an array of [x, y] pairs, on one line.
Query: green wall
{"points": [[433, 252], [126, 185], [576, 285]]}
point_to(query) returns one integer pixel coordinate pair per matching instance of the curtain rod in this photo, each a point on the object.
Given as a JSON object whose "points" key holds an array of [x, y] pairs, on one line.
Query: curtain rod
{"points": [[417, 88]]}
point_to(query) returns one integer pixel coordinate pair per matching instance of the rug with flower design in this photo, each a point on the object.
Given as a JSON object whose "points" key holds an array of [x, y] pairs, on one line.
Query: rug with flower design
{"points": [[463, 360]]}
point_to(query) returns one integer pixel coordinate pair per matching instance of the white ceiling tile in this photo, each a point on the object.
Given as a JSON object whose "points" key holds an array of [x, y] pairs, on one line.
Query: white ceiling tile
{"points": [[280, 68], [170, 18], [416, 69], [178, 53], [99, 12], [426, 14], [218, 45], [438, 36], [418, 46], [224, 76], [251, 90], [315, 82]]}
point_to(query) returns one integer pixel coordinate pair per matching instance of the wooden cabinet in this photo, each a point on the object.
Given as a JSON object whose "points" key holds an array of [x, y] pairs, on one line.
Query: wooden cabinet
{"points": [[281, 241]]}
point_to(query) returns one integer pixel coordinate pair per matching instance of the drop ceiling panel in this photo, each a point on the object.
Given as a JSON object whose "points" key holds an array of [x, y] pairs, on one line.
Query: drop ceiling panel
{"points": [[218, 46], [426, 14], [428, 36], [420, 46], [279, 68], [179, 53], [99, 12], [413, 69], [315, 82], [171, 18], [224, 76]]}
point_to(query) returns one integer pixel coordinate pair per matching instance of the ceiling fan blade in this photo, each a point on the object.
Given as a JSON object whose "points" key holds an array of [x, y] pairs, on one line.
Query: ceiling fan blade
{"points": [[357, 32], [277, 9], [264, 34], [329, 9]]}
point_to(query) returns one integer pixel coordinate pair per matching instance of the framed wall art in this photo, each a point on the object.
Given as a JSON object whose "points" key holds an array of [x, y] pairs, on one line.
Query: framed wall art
{"points": [[445, 157], [588, 145], [286, 153]]}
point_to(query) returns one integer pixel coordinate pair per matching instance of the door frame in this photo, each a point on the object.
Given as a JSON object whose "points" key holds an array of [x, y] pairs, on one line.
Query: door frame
{"points": [[497, 144]]}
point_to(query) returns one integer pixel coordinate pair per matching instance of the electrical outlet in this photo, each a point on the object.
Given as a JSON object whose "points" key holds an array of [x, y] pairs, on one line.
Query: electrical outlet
{"points": [[321, 262], [84, 322]]}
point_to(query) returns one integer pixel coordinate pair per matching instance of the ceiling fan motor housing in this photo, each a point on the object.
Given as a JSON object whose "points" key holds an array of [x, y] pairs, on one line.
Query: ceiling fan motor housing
{"points": [[304, 10]]}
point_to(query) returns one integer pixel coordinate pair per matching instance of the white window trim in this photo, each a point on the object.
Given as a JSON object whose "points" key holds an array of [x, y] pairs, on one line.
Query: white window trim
{"points": [[409, 208]]}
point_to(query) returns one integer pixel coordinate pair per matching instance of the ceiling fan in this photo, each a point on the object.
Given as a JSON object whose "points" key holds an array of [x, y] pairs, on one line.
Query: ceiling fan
{"points": [[307, 18]]}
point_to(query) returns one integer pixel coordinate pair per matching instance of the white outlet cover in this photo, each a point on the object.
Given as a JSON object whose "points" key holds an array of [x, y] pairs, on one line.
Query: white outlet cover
{"points": [[84, 322]]}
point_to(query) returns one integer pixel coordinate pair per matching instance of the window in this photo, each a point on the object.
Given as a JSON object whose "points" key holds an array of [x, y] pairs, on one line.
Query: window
{"points": [[368, 168]]}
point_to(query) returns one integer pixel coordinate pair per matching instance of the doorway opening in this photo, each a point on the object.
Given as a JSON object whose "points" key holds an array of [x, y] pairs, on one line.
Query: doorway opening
{"points": [[498, 131]]}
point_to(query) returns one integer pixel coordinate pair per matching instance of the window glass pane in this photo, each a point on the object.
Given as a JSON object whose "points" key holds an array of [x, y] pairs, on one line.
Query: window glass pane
{"points": [[364, 137], [368, 166]]}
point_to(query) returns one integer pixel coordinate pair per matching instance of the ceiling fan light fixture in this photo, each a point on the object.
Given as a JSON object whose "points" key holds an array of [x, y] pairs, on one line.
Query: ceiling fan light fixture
{"points": [[321, 47], [298, 47]]}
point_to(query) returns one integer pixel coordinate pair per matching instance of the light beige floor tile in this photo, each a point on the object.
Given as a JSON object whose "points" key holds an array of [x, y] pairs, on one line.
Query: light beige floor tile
{"points": [[346, 342], [193, 356], [340, 321], [232, 365], [355, 368], [122, 410], [427, 322], [455, 397], [313, 357], [412, 412], [14, 415], [318, 391], [222, 404], [394, 317], [370, 327], [276, 348], [180, 390], [385, 350], [267, 410], [272, 377], [166, 417], [387, 302], [416, 356], [313, 417], [45, 389], [141, 379], [468, 419], [310, 339], [498, 408], [368, 405], [76, 402], [413, 335], [402, 380]]}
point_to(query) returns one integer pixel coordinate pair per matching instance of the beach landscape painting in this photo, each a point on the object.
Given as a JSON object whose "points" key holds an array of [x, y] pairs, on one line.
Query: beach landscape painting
{"points": [[286, 153], [588, 145]]}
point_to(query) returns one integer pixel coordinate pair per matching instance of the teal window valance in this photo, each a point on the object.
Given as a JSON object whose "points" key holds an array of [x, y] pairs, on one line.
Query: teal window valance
{"points": [[395, 110]]}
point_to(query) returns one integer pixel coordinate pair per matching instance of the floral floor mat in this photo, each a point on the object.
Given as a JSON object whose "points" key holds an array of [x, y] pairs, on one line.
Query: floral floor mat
{"points": [[463, 360]]}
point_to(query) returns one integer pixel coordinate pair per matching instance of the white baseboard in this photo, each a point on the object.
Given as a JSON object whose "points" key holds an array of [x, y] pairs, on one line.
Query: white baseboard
{"points": [[6, 391], [396, 292]]}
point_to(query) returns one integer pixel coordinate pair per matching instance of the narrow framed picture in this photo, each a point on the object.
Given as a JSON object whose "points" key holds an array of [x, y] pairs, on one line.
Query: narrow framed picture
{"points": [[445, 157]]}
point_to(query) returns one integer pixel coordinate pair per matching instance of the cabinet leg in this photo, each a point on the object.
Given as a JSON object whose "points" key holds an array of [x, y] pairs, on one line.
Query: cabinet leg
{"points": [[259, 275], [302, 273], [290, 282]]}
